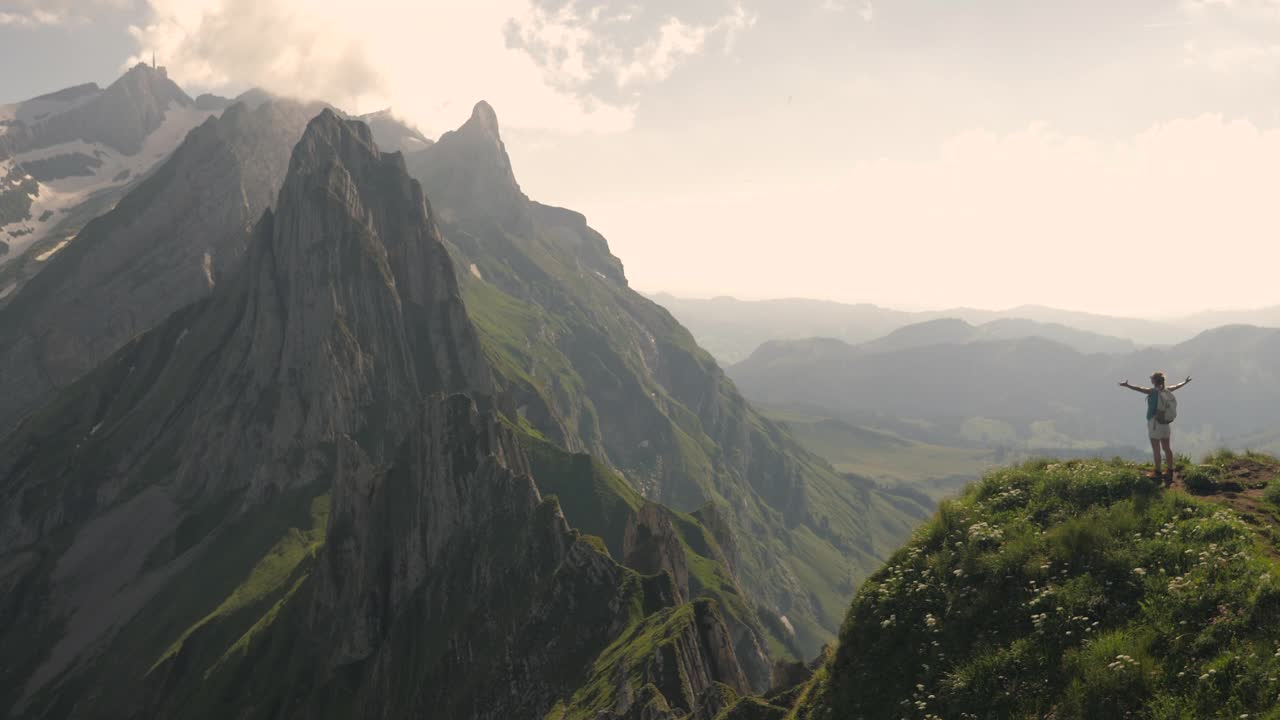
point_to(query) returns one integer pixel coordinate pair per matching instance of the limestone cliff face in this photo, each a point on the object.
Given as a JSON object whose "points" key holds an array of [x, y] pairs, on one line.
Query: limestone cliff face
{"points": [[449, 587], [321, 349], [420, 530], [164, 246], [651, 545], [598, 368], [157, 552]]}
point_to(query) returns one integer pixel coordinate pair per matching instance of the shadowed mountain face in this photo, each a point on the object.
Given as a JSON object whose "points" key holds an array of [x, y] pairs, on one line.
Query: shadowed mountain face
{"points": [[120, 117], [1024, 381], [596, 367], [285, 450], [167, 244], [68, 156], [394, 135], [272, 506], [243, 396]]}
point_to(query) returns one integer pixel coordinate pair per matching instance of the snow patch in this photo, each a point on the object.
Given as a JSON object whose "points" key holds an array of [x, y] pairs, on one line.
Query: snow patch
{"points": [[787, 624], [207, 264], [476, 271], [58, 196], [49, 253], [31, 111]]}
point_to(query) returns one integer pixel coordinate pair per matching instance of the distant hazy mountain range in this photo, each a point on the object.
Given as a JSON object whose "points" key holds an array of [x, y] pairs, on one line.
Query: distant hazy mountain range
{"points": [[732, 329], [934, 381]]}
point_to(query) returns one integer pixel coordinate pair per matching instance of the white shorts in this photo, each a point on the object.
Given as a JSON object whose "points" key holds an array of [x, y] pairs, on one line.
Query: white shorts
{"points": [[1156, 431]]}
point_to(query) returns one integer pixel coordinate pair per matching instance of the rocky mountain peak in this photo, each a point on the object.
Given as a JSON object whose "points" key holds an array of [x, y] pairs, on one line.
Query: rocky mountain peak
{"points": [[143, 78], [328, 141], [121, 117], [356, 274], [483, 120], [468, 171]]}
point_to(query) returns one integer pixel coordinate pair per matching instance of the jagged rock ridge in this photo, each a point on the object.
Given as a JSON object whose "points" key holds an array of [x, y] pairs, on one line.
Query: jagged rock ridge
{"points": [[164, 246], [299, 523], [598, 368]]}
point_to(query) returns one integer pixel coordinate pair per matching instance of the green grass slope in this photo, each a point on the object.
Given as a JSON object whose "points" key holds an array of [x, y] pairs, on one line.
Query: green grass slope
{"points": [[596, 367], [1072, 590], [571, 354], [937, 470], [204, 613], [599, 503]]}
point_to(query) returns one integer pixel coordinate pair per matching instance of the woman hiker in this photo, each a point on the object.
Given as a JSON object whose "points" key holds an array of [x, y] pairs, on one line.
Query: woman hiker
{"points": [[1157, 431]]}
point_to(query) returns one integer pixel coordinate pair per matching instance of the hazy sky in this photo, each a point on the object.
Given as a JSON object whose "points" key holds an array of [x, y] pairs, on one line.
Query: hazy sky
{"points": [[1111, 156]]}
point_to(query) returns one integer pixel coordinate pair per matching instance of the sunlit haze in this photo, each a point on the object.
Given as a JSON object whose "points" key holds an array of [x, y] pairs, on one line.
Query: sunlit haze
{"points": [[1101, 156]]}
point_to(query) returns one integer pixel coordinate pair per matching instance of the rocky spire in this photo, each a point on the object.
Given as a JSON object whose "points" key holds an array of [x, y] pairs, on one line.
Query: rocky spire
{"points": [[468, 171]]}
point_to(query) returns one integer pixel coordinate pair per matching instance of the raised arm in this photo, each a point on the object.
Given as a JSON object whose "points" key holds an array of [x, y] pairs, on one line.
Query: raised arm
{"points": [[1179, 385], [1137, 388]]}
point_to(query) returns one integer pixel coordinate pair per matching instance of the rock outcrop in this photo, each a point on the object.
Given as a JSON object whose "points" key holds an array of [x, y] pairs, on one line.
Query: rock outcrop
{"points": [[598, 368], [119, 117], [68, 156], [166, 245], [292, 500], [346, 316]]}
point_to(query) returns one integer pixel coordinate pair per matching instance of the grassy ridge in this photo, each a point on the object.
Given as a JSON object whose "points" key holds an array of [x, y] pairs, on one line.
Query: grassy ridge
{"points": [[592, 367], [1070, 590], [238, 575], [599, 503]]}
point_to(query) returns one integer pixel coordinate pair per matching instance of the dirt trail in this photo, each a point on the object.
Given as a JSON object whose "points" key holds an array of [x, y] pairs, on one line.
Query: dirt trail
{"points": [[1239, 484]]}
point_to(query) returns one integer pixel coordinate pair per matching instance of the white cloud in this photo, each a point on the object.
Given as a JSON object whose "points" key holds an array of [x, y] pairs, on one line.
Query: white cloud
{"points": [[656, 60], [579, 49], [540, 67]]}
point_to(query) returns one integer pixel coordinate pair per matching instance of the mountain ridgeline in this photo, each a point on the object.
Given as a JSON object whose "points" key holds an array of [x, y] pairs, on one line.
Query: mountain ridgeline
{"points": [[954, 388], [305, 469], [593, 366], [302, 428], [69, 156], [165, 245], [732, 329]]}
